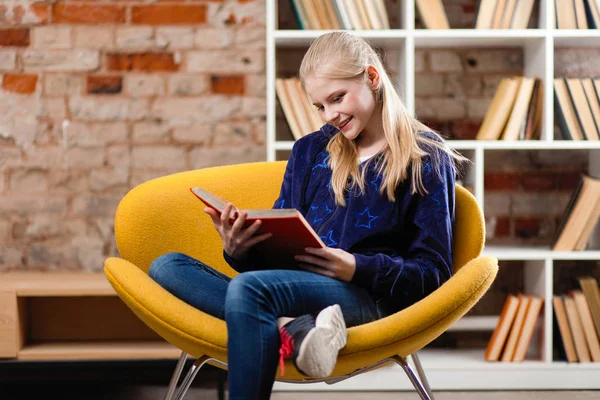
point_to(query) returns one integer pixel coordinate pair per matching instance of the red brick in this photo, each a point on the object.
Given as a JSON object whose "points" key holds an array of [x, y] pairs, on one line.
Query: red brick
{"points": [[501, 180], [465, 129], [171, 14], [14, 37], [227, 84], [538, 181], [527, 227], [104, 84], [42, 11], [142, 62], [88, 13], [19, 83], [568, 180], [502, 227]]}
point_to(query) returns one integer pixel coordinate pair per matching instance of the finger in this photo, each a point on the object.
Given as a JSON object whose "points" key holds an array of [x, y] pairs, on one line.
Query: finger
{"points": [[323, 263], [214, 215], [258, 239], [225, 216], [239, 222], [252, 229], [324, 252], [316, 270]]}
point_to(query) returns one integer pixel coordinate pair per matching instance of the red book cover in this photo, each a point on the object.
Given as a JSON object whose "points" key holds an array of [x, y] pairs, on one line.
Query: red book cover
{"points": [[291, 232]]}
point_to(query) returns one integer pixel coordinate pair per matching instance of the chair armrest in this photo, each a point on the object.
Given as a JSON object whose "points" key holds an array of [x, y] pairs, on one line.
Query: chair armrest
{"points": [[436, 312]]}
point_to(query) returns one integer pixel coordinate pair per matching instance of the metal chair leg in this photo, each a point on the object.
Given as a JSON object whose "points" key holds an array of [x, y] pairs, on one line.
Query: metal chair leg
{"points": [[176, 375], [420, 371], [185, 385], [424, 393]]}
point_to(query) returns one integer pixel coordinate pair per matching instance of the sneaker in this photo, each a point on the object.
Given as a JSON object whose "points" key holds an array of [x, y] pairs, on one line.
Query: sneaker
{"points": [[314, 343]]}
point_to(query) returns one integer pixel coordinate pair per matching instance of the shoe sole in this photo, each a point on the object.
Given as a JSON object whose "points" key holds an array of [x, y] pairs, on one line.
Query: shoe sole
{"points": [[319, 349]]}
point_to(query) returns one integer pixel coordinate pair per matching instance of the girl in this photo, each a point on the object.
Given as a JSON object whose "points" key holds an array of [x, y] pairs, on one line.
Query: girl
{"points": [[377, 186]]}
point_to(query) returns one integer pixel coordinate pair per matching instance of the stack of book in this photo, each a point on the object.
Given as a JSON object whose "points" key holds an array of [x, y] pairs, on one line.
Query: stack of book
{"points": [[577, 14], [341, 14], [580, 217], [503, 14], [515, 112], [513, 333], [577, 316], [301, 116], [433, 14], [577, 105]]}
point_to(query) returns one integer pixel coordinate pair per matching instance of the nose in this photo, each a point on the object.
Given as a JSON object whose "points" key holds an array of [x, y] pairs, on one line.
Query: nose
{"points": [[331, 116]]}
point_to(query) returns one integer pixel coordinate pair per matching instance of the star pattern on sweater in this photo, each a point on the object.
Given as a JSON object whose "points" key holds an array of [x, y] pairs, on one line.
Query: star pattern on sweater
{"points": [[364, 219], [376, 183], [328, 239], [322, 164], [321, 212], [280, 204]]}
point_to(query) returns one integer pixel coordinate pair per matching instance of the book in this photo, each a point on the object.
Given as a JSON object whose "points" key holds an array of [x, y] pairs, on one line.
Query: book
{"points": [[578, 214], [519, 111], [581, 348], [485, 13], [499, 111], [565, 112], [498, 14], [522, 14], [580, 14], [509, 11], [291, 232], [587, 324], [565, 14], [515, 331], [496, 343], [590, 94], [593, 14], [433, 14], [563, 328], [531, 317], [589, 287], [290, 114], [582, 108]]}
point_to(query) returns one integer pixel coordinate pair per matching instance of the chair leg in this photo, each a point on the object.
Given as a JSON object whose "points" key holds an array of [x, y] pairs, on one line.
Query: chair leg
{"points": [[176, 375], [423, 393], [185, 385], [420, 371]]}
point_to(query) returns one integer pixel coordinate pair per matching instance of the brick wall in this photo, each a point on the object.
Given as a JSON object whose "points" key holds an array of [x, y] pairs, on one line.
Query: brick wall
{"points": [[99, 96]]}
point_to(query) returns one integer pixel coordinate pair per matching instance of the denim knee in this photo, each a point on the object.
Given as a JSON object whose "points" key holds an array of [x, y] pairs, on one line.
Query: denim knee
{"points": [[243, 289], [161, 266]]}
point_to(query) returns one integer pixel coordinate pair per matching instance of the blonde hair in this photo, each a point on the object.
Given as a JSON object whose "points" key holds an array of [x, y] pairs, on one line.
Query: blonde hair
{"points": [[339, 55]]}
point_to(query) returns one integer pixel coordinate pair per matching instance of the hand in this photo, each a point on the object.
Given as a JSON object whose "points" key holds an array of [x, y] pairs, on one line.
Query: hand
{"points": [[329, 261], [236, 240]]}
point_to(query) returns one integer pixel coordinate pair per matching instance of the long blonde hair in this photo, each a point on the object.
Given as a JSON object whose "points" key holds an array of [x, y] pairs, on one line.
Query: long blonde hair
{"points": [[339, 55]]}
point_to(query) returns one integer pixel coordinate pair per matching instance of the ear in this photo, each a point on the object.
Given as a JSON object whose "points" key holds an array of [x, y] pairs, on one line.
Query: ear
{"points": [[373, 77]]}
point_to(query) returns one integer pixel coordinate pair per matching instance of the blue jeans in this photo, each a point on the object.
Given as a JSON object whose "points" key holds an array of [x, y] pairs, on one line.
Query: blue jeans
{"points": [[250, 303]]}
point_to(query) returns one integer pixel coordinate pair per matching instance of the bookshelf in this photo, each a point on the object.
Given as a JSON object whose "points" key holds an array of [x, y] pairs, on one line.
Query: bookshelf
{"points": [[457, 369]]}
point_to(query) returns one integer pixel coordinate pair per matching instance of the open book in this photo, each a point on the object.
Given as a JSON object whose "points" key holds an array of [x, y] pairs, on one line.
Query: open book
{"points": [[291, 232]]}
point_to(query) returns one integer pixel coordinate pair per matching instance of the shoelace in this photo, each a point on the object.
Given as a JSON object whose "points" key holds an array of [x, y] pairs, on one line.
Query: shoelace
{"points": [[287, 348]]}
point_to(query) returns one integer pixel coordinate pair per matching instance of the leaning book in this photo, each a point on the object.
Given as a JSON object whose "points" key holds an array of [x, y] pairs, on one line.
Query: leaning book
{"points": [[291, 232]]}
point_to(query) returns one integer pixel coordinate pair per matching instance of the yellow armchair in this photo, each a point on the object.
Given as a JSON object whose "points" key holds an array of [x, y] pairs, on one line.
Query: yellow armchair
{"points": [[161, 216]]}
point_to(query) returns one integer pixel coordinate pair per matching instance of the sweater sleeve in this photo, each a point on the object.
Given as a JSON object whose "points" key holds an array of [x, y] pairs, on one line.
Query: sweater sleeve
{"points": [[254, 260], [427, 263]]}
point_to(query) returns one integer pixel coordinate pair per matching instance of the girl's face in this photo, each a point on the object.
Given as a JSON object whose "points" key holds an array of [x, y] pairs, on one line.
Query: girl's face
{"points": [[347, 104]]}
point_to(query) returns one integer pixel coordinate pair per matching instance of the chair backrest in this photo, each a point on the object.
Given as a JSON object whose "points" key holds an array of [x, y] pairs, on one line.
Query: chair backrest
{"points": [[469, 228], [162, 215]]}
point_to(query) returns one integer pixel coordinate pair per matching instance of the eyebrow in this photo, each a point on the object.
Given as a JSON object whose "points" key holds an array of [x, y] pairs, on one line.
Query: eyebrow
{"points": [[331, 95]]}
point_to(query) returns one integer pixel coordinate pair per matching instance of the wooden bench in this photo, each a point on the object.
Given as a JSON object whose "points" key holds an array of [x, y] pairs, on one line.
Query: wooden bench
{"points": [[74, 316]]}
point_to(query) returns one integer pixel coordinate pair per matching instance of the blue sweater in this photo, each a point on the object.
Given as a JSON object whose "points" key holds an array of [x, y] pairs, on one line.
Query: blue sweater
{"points": [[403, 249]]}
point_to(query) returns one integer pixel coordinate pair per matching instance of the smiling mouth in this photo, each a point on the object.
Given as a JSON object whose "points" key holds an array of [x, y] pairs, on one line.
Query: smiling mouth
{"points": [[345, 123]]}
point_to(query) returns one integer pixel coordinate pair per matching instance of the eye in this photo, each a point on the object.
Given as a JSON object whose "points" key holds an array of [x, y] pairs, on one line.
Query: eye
{"points": [[320, 108], [338, 99]]}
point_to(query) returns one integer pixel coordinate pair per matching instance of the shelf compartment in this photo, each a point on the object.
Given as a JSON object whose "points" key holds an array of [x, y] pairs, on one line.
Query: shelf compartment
{"points": [[303, 38], [474, 38]]}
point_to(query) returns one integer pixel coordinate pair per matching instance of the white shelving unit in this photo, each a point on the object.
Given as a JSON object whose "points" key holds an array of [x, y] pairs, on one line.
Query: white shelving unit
{"points": [[466, 369]]}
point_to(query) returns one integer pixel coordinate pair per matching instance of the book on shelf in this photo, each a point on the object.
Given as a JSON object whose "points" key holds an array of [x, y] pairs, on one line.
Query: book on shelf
{"points": [[522, 14], [513, 333], [341, 14], [566, 338], [498, 339], [515, 111], [577, 14], [566, 116], [515, 330], [582, 108], [589, 287], [291, 232], [580, 216], [576, 328], [433, 14], [587, 325], [300, 115]]}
